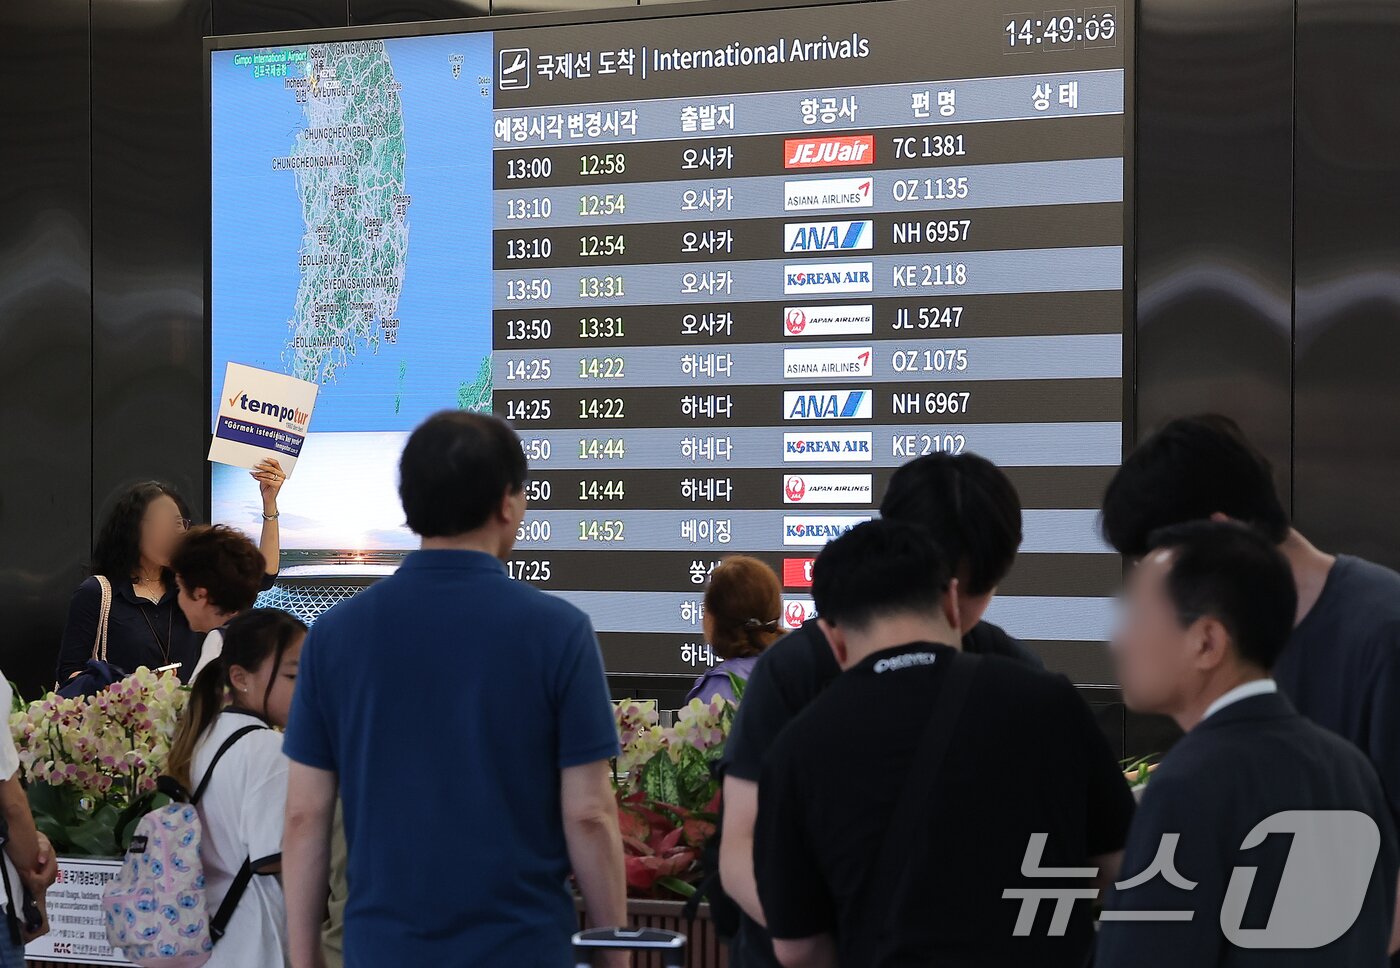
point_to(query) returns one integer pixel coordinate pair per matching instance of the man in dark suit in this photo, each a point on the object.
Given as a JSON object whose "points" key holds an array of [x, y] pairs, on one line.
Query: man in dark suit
{"points": [[1263, 839]]}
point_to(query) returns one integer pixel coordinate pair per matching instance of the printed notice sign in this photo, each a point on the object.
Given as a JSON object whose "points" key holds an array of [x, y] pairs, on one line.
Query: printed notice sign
{"points": [[77, 931], [261, 414]]}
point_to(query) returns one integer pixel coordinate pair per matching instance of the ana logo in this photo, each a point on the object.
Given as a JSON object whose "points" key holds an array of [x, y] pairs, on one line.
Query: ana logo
{"points": [[814, 194], [827, 236], [833, 447], [829, 320], [825, 277], [794, 614], [797, 572], [514, 69], [817, 531], [829, 152], [854, 362], [830, 489], [827, 405]]}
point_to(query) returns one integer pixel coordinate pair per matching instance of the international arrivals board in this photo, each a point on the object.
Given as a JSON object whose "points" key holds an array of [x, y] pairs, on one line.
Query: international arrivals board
{"points": [[723, 271]]}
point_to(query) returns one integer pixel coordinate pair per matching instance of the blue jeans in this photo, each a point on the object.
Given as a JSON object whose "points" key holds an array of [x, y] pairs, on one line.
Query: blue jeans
{"points": [[11, 954]]}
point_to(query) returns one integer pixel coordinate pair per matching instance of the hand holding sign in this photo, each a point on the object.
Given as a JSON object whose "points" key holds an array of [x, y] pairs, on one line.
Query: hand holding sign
{"points": [[270, 477], [262, 417]]}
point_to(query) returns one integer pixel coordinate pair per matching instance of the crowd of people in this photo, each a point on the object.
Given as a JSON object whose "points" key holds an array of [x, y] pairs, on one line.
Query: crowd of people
{"points": [[905, 783]]}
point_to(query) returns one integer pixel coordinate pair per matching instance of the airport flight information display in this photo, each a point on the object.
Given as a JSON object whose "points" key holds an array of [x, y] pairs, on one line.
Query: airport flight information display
{"points": [[723, 272]]}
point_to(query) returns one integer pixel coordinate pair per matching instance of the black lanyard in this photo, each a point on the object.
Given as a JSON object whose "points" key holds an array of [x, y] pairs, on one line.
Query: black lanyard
{"points": [[169, 632]]}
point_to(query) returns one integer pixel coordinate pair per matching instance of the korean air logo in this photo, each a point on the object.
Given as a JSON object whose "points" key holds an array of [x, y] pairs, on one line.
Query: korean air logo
{"points": [[832, 447], [514, 69], [827, 236], [829, 277], [827, 405], [817, 531]]}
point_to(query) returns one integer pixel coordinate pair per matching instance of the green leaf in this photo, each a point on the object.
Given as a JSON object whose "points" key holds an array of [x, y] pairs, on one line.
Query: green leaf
{"points": [[93, 838], [660, 779], [737, 685], [55, 831], [59, 802], [677, 885]]}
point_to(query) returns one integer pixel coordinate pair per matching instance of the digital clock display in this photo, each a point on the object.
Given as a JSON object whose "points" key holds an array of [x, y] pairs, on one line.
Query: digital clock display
{"points": [[1062, 29]]}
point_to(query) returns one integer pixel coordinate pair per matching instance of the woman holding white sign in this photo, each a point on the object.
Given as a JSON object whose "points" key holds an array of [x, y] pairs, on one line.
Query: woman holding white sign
{"points": [[126, 615]]}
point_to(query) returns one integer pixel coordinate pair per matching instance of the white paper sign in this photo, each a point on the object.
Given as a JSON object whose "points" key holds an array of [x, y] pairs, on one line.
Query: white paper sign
{"points": [[261, 415], [77, 930]]}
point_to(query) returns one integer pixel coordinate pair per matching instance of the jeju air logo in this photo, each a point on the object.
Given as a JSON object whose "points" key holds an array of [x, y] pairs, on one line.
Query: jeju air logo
{"points": [[795, 614], [796, 488], [796, 321], [829, 152]]}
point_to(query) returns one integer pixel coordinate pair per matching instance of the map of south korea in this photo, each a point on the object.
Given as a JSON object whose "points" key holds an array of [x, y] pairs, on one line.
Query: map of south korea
{"points": [[349, 167]]}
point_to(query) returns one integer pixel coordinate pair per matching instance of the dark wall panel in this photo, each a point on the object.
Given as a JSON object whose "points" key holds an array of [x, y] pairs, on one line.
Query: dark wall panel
{"points": [[251, 16], [1214, 232], [148, 200], [45, 329], [1347, 446], [1214, 195], [413, 11]]}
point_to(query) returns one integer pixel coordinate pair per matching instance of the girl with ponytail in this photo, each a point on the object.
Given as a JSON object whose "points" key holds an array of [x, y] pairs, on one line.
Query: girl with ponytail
{"points": [[742, 606], [249, 683]]}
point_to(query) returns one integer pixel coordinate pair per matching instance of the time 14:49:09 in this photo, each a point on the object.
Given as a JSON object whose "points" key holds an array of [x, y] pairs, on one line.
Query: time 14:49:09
{"points": [[1097, 27]]}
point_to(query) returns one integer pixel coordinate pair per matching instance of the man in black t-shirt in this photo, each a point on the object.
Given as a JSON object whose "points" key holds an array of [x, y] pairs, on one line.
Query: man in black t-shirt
{"points": [[973, 513], [1341, 667], [849, 874]]}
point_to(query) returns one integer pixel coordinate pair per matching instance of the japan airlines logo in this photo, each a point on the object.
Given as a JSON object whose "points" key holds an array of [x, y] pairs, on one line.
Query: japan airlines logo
{"points": [[828, 193], [827, 404], [827, 236], [852, 362], [829, 277], [833, 447], [829, 489], [796, 612], [815, 531], [514, 69], [829, 320], [829, 152], [797, 572]]}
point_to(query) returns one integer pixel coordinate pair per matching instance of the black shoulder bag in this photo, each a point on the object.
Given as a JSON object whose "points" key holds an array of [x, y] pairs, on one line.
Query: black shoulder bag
{"points": [[890, 878]]}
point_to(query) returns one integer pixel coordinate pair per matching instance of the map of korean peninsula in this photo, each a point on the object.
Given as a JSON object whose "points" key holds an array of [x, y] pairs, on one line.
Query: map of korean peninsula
{"points": [[348, 162]]}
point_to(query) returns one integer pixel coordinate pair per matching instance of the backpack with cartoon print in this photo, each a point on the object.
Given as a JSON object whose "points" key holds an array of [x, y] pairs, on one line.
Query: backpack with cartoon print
{"points": [[155, 907]]}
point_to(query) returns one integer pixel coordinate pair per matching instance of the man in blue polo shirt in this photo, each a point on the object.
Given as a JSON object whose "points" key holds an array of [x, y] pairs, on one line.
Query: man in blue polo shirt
{"points": [[465, 718]]}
